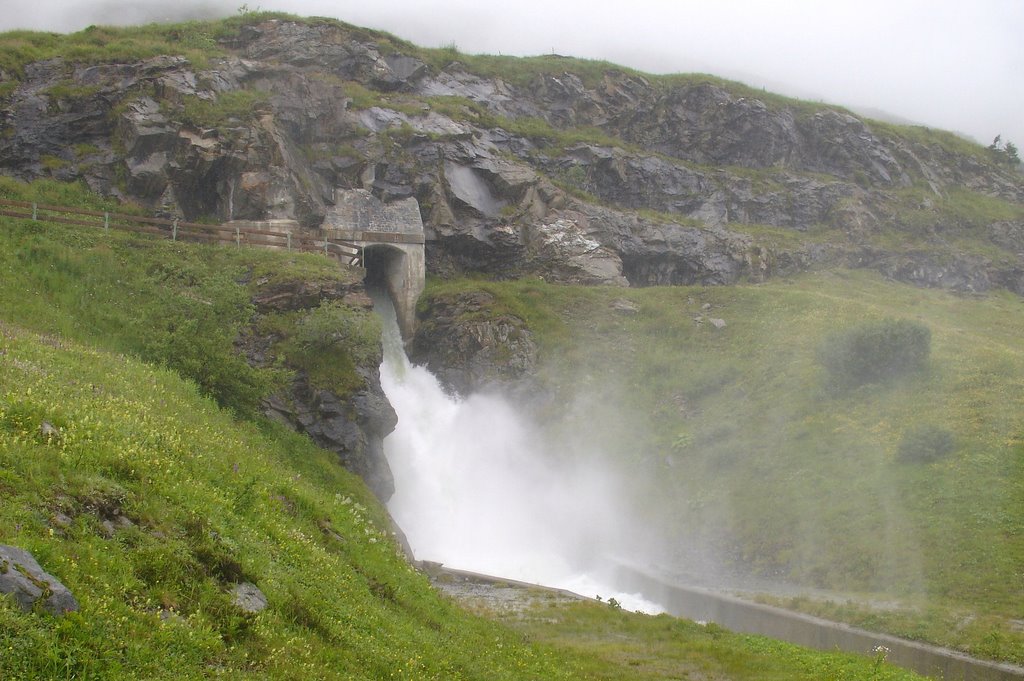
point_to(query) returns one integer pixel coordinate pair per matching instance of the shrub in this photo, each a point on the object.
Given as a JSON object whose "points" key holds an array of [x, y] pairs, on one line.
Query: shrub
{"points": [[331, 343], [925, 443], [874, 352]]}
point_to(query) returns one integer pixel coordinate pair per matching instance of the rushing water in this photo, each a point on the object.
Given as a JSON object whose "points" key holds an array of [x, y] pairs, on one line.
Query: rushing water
{"points": [[475, 490]]}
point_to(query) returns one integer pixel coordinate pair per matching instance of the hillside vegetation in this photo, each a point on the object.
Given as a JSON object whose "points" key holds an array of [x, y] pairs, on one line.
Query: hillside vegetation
{"points": [[760, 471], [823, 436], [150, 500]]}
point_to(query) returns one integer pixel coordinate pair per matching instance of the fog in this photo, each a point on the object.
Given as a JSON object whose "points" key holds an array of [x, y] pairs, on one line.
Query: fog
{"points": [[950, 64]]}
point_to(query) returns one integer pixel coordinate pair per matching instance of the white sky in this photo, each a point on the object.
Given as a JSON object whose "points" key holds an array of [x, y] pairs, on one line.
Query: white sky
{"points": [[952, 64]]}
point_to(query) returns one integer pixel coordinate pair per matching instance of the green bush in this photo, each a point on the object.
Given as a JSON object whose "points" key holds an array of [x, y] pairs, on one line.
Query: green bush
{"points": [[874, 352], [926, 443], [331, 343]]}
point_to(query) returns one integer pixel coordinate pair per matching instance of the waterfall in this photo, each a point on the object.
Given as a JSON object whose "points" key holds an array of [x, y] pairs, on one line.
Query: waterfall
{"points": [[476, 489]]}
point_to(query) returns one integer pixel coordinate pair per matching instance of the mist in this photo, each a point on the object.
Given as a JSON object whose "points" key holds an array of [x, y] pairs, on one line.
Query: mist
{"points": [[479, 487], [949, 64]]}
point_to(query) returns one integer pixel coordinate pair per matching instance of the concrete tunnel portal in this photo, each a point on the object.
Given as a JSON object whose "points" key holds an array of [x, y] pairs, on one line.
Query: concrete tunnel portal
{"points": [[390, 268], [391, 238]]}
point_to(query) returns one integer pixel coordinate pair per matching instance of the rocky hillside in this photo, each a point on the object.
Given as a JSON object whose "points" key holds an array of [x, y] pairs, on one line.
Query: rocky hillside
{"points": [[576, 171]]}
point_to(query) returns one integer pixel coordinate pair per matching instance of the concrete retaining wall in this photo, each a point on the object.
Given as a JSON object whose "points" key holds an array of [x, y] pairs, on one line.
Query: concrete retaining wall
{"points": [[813, 632]]}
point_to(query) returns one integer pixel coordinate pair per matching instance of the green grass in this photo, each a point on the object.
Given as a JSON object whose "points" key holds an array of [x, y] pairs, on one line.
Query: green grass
{"points": [[106, 44], [176, 304], [197, 41], [933, 137], [522, 71], [956, 223], [329, 343], [739, 446], [242, 105], [960, 209], [611, 642], [211, 501], [91, 326]]}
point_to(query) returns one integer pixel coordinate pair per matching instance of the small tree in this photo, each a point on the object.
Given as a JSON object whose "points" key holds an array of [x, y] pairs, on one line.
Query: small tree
{"points": [[1012, 156], [1004, 152]]}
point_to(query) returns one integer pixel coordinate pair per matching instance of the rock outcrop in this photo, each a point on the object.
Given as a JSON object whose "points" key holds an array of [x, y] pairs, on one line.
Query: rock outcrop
{"points": [[562, 170], [27, 583], [470, 348], [571, 173], [352, 425]]}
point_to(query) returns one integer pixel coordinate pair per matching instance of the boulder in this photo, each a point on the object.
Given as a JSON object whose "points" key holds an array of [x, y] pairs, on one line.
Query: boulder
{"points": [[248, 598], [562, 250], [23, 578], [471, 188]]}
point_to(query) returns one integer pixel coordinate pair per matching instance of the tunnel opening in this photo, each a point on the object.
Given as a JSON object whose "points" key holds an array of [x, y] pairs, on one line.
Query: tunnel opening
{"points": [[384, 268], [383, 263], [386, 271]]}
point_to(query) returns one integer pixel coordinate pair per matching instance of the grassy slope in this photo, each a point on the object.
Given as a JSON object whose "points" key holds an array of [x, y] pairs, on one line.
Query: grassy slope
{"points": [[173, 304], [212, 500], [669, 648], [748, 456]]}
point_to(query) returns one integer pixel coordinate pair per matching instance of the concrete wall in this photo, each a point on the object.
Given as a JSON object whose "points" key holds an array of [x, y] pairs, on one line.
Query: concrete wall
{"points": [[357, 210], [392, 236]]}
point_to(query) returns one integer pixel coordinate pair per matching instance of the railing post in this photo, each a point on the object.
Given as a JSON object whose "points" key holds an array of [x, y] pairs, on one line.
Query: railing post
{"points": [[238, 237], [174, 230], [35, 211], [106, 220], [289, 241]]}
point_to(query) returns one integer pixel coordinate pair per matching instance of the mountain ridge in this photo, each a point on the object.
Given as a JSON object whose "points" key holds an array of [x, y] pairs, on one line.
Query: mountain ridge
{"points": [[578, 171]]}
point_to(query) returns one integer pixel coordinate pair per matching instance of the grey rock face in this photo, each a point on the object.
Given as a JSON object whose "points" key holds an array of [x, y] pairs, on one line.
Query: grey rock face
{"points": [[563, 250], [342, 110], [23, 579], [354, 427]]}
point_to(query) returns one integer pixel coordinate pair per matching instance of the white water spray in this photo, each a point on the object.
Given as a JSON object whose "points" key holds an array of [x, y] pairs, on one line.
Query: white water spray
{"points": [[475, 488]]}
